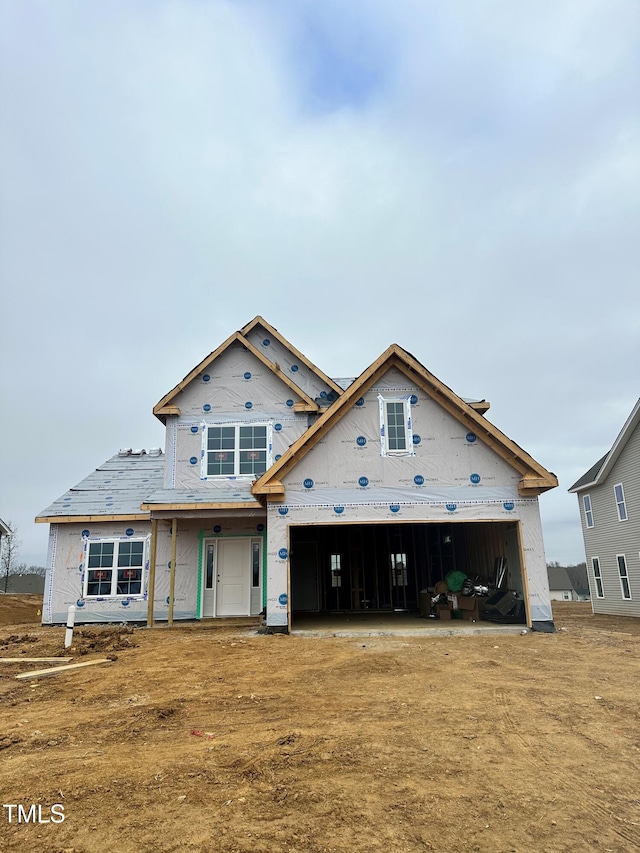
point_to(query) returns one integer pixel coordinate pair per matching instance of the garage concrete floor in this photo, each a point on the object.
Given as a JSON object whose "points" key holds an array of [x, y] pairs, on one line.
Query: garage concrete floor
{"points": [[371, 624]]}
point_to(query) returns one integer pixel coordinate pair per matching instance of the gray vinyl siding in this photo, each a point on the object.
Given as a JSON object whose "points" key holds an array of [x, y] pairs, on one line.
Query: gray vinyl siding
{"points": [[610, 537]]}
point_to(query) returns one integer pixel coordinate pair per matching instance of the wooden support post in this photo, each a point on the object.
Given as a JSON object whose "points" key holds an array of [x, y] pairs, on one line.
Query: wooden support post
{"points": [[172, 575], [151, 589], [525, 579]]}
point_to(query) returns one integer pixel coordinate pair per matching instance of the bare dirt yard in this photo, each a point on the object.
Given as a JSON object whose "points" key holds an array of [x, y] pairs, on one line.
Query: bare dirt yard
{"points": [[18, 609], [203, 739]]}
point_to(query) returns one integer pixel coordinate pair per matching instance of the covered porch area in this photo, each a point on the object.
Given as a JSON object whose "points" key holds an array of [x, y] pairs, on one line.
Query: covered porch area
{"points": [[206, 563]]}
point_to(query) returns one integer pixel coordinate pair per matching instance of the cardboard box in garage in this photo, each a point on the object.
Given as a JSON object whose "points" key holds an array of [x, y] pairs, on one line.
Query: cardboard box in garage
{"points": [[469, 604]]}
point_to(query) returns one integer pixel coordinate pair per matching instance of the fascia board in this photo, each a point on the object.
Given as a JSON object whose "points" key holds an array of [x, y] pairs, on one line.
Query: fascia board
{"points": [[85, 519], [201, 505]]}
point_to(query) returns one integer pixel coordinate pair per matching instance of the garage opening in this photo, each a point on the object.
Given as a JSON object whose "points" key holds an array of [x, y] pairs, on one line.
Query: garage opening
{"points": [[399, 568]]}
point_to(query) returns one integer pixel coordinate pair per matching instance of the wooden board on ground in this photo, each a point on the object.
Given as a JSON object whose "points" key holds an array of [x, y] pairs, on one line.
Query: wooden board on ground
{"points": [[36, 673], [35, 660]]}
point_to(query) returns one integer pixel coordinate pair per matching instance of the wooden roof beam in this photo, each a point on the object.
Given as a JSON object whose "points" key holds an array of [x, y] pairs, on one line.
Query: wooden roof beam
{"points": [[533, 486], [200, 505], [168, 410], [85, 519]]}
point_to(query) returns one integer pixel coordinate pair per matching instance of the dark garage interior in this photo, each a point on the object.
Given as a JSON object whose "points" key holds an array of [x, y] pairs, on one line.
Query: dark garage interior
{"points": [[384, 567]]}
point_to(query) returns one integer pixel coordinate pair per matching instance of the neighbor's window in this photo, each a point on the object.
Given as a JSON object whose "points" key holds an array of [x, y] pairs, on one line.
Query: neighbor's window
{"points": [[620, 503], [395, 426], [597, 575], [114, 567], [588, 512], [236, 450], [624, 576], [566, 596]]}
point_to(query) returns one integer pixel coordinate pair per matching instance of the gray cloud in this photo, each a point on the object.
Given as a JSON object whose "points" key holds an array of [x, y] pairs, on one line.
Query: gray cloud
{"points": [[460, 179]]}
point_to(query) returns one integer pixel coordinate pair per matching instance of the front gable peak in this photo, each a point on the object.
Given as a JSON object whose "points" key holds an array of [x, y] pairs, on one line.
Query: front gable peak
{"points": [[168, 404]]}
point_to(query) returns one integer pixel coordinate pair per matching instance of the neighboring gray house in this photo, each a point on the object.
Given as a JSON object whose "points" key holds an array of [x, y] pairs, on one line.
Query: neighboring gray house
{"points": [[280, 491], [568, 584], [28, 584], [609, 499]]}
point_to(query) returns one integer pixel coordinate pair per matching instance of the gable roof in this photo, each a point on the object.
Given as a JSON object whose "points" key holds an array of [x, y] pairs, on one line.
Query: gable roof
{"points": [[260, 321], [579, 579], [558, 578], [599, 472], [591, 475], [535, 478], [568, 578], [166, 407]]}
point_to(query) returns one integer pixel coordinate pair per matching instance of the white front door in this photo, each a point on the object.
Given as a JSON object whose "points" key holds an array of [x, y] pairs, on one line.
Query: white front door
{"points": [[233, 580]]}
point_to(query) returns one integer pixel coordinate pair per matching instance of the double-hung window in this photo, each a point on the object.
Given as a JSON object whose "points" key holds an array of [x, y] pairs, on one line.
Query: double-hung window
{"points": [[620, 502], [624, 576], [114, 567], [588, 512], [396, 438], [597, 576], [236, 450]]}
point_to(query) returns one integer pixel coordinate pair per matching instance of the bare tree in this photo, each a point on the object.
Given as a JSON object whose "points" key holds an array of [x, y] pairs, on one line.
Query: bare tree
{"points": [[9, 558]]}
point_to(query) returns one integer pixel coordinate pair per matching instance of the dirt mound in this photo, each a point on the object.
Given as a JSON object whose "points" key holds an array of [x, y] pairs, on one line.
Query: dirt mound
{"points": [[102, 639]]}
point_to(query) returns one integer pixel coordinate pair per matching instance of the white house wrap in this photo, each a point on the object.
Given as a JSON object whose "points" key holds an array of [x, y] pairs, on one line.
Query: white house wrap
{"points": [[281, 490]]}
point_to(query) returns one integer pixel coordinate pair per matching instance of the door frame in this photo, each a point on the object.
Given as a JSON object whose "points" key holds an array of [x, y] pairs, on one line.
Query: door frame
{"points": [[206, 536]]}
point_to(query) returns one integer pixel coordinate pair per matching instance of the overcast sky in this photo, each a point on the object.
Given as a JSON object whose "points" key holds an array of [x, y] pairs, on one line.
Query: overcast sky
{"points": [[459, 178]]}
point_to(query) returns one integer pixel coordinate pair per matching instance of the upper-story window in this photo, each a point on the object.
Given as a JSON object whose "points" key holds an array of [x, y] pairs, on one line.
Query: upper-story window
{"points": [[620, 503], [396, 436], [114, 567], [236, 450], [588, 512]]}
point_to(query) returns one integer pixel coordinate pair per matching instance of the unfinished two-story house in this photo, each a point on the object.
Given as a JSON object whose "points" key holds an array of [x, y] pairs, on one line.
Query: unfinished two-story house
{"points": [[281, 491], [609, 499]]}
